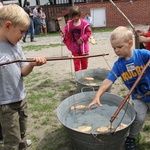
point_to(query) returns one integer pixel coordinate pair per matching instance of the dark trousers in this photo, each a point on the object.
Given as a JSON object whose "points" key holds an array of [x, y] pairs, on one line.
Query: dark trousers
{"points": [[31, 30], [13, 118], [1, 136], [36, 25]]}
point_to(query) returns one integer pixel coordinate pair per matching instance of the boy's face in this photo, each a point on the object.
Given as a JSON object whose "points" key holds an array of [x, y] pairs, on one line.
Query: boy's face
{"points": [[122, 49], [13, 34]]}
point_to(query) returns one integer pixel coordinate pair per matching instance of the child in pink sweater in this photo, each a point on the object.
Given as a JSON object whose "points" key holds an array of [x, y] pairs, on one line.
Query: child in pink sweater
{"points": [[76, 34]]}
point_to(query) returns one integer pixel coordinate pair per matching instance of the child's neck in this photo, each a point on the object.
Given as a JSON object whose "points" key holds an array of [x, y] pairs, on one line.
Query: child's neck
{"points": [[130, 54], [76, 22]]}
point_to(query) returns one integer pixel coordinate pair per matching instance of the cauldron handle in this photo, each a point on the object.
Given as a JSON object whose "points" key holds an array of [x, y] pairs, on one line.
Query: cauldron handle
{"points": [[129, 93]]}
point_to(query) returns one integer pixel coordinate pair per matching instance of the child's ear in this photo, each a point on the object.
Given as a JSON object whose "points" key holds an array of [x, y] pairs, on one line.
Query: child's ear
{"points": [[131, 43], [8, 24]]}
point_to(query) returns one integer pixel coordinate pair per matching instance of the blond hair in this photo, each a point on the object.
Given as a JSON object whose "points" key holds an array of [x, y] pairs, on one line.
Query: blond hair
{"points": [[14, 14], [123, 33]]}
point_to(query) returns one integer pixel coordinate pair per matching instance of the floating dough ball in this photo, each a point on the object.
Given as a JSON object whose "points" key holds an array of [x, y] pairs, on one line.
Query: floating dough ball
{"points": [[105, 129], [83, 128], [89, 78], [79, 107], [91, 84], [121, 126]]}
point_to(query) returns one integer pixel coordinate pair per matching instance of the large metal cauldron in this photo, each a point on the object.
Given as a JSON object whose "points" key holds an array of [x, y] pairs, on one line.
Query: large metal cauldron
{"points": [[95, 141], [98, 74]]}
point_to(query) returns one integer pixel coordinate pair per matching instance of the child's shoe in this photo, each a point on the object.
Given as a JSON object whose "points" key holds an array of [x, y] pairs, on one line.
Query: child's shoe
{"points": [[29, 142], [130, 144]]}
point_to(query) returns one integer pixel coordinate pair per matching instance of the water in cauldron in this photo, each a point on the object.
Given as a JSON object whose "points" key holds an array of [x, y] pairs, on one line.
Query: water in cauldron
{"points": [[97, 117]]}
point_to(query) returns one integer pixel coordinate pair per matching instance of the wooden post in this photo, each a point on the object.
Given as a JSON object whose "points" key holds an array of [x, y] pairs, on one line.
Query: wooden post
{"points": [[137, 43]]}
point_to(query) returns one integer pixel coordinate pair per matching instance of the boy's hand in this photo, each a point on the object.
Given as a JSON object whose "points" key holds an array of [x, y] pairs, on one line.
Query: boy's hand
{"points": [[38, 61], [95, 101]]}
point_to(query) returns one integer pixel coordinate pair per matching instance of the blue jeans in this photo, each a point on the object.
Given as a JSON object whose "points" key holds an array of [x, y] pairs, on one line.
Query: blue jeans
{"points": [[36, 25], [31, 30]]}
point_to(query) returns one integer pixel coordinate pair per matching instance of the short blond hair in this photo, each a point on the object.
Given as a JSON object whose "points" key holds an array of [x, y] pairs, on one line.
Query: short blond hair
{"points": [[123, 33], [14, 14]]}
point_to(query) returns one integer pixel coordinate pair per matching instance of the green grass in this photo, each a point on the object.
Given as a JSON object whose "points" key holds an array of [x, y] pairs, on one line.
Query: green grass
{"points": [[51, 144], [94, 30], [146, 128], [97, 30], [141, 143], [49, 34], [34, 138], [39, 47], [65, 88], [44, 98]]}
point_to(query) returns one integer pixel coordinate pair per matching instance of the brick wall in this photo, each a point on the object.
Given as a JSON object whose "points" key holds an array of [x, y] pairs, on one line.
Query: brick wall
{"points": [[138, 12]]}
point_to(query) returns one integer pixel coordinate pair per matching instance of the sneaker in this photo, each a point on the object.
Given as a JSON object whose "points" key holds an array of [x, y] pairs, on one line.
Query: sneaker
{"points": [[1, 141], [29, 142], [33, 41], [24, 40], [130, 144]]}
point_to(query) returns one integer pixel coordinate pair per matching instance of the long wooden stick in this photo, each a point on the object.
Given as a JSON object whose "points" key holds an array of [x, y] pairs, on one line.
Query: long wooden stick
{"points": [[51, 59], [137, 45], [129, 93], [132, 26]]}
